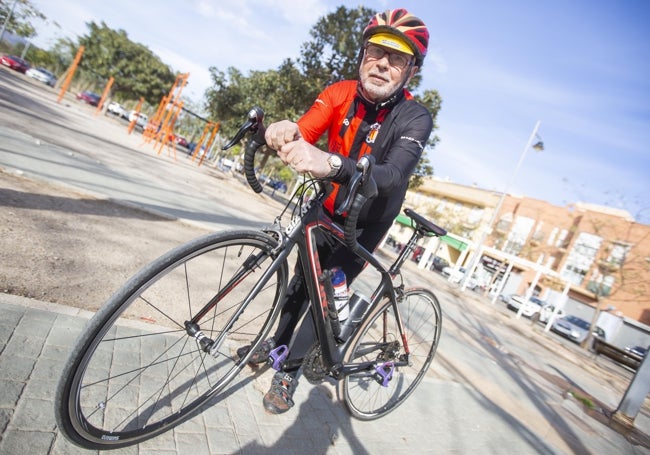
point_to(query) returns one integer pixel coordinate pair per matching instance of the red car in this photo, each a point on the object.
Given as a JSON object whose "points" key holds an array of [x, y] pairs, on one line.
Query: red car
{"points": [[15, 63], [89, 97], [180, 140]]}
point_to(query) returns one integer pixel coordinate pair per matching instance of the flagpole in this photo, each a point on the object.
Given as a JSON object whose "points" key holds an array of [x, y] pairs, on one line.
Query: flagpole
{"points": [[478, 251]]}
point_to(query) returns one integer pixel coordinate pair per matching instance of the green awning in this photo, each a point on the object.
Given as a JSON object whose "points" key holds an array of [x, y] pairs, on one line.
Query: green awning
{"points": [[405, 220], [454, 243]]}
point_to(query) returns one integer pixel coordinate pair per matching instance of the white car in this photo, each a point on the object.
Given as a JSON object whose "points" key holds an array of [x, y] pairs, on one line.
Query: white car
{"points": [[532, 307], [43, 75], [546, 312], [576, 329], [455, 274], [117, 109], [141, 120]]}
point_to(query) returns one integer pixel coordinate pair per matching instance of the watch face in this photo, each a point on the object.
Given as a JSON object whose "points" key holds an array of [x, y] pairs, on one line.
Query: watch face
{"points": [[335, 161]]}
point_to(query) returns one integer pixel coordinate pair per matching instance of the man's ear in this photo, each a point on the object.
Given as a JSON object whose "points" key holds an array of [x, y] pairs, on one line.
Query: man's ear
{"points": [[414, 70]]}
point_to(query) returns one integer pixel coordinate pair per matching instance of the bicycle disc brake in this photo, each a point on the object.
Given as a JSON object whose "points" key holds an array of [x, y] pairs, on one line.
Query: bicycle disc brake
{"points": [[312, 365]]}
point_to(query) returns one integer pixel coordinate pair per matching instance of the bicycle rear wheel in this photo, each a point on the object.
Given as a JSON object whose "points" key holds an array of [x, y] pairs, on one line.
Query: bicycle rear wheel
{"points": [[135, 372], [378, 340]]}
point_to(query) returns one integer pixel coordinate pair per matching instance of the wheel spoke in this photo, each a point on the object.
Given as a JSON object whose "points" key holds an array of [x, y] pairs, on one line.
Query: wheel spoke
{"points": [[380, 341], [141, 372]]}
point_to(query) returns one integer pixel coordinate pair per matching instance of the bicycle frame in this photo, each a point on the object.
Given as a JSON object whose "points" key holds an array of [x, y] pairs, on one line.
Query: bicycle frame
{"points": [[301, 233]]}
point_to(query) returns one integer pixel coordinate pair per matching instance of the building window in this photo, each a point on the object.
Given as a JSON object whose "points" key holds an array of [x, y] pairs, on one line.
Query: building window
{"points": [[581, 258], [475, 216], [504, 223], [538, 236], [618, 254], [561, 238], [518, 235], [551, 238], [601, 286]]}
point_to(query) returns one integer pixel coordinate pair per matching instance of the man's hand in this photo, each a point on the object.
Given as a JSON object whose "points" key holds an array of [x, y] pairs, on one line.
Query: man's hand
{"points": [[305, 158], [285, 138], [281, 133]]}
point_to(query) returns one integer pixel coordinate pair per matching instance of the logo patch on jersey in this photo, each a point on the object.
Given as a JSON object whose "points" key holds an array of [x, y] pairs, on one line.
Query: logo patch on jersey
{"points": [[372, 134]]}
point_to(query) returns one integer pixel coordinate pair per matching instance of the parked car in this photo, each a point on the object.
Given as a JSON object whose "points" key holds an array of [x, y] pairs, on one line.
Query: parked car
{"points": [[43, 75], [515, 302], [15, 63], [116, 108], [637, 350], [417, 253], [531, 307], [439, 263], [141, 119], [278, 185], [180, 140], [545, 313], [455, 275], [575, 328], [89, 97]]}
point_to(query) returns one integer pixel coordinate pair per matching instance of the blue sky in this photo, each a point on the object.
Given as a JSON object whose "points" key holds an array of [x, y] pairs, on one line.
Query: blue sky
{"points": [[581, 68]]}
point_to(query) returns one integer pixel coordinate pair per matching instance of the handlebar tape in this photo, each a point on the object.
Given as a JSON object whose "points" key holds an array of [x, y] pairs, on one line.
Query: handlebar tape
{"points": [[350, 225], [249, 164]]}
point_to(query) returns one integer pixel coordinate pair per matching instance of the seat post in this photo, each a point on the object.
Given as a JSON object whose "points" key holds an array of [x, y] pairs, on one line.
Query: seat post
{"points": [[408, 248]]}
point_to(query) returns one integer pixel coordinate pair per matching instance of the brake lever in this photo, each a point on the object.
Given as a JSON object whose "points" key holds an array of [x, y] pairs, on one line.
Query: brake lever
{"points": [[360, 179], [255, 117]]}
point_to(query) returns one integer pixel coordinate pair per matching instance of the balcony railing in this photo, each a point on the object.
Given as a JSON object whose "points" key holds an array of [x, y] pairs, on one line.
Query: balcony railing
{"points": [[599, 288], [608, 266]]}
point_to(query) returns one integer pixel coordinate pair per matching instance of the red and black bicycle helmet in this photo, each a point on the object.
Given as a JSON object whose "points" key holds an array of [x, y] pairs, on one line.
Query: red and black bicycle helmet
{"points": [[403, 24]]}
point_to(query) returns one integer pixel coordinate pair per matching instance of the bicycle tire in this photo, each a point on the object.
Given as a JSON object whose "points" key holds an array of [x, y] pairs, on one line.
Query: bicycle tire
{"points": [[135, 372], [378, 340]]}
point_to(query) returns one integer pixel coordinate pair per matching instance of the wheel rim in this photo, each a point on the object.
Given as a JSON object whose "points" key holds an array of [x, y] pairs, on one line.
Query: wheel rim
{"points": [[365, 397], [144, 373]]}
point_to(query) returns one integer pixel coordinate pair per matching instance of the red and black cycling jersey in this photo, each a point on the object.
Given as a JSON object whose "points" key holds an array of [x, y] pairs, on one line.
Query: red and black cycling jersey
{"points": [[394, 135]]}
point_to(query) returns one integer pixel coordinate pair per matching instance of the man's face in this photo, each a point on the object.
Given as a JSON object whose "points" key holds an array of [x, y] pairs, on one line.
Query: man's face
{"points": [[382, 71]]}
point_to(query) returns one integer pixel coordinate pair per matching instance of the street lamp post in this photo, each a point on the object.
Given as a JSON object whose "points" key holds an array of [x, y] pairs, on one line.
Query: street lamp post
{"points": [[7, 19], [539, 146]]}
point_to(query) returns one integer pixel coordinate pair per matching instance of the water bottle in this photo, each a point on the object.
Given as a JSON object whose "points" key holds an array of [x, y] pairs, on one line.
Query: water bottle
{"points": [[341, 299]]}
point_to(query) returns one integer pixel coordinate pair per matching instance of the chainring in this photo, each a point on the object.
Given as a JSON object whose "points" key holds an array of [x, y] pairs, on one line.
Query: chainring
{"points": [[312, 365]]}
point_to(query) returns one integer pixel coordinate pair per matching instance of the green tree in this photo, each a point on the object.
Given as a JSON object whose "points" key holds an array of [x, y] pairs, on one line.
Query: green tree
{"points": [[137, 72], [333, 53], [20, 22]]}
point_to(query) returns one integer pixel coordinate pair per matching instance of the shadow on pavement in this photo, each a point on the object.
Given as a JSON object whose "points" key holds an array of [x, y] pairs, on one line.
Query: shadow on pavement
{"points": [[83, 206]]}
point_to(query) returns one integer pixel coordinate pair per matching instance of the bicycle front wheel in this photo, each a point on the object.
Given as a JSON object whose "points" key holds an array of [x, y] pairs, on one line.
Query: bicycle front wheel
{"points": [[135, 372], [369, 395]]}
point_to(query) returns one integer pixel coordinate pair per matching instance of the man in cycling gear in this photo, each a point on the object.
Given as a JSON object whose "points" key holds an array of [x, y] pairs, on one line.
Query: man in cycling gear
{"points": [[374, 115]]}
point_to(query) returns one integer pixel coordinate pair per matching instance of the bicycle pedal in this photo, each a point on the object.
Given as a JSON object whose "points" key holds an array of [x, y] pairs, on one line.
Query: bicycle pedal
{"points": [[384, 373], [277, 357]]}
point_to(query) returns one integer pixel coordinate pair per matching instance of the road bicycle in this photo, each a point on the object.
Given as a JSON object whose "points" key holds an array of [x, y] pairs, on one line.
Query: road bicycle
{"points": [[165, 345]]}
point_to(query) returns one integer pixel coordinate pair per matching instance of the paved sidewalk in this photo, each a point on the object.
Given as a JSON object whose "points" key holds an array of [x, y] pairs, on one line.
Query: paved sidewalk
{"points": [[441, 417]]}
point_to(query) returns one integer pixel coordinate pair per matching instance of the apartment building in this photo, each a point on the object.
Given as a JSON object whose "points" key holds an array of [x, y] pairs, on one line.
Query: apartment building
{"points": [[592, 258]]}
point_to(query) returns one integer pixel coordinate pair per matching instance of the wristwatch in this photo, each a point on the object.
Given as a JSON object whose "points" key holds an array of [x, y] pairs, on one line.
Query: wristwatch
{"points": [[335, 163]]}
